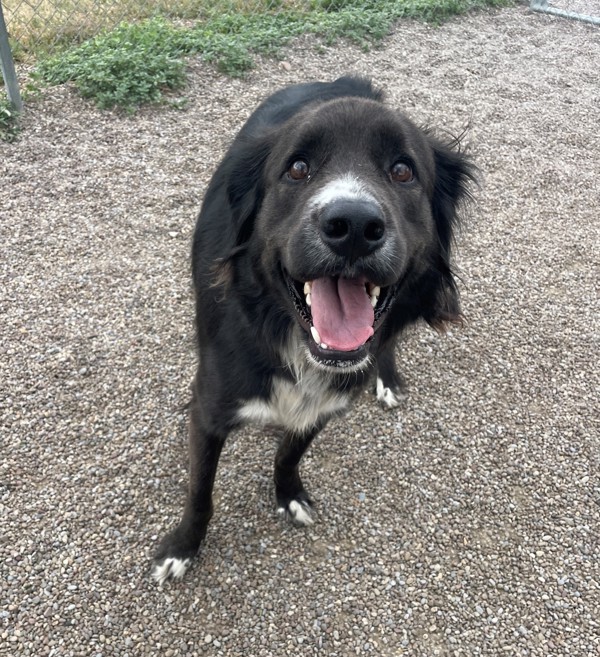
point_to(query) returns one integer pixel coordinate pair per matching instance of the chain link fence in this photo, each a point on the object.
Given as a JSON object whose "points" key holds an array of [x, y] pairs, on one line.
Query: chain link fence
{"points": [[45, 25]]}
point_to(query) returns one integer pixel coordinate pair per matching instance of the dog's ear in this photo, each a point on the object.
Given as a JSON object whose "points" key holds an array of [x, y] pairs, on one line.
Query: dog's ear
{"points": [[245, 186], [454, 174]]}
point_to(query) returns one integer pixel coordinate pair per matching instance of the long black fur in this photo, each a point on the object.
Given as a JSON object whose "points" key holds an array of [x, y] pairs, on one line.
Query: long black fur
{"points": [[245, 317]]}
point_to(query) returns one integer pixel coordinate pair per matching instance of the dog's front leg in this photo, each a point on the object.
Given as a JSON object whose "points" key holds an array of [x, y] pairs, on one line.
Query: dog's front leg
{"points": [[390, 387], [292, 500], [178, 548]]}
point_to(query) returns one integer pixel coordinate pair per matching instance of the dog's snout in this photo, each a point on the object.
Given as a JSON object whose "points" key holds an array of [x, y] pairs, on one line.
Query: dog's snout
{"points": [[352, 228]]}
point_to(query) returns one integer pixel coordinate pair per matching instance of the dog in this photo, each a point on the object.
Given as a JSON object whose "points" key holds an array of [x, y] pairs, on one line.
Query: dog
{"points": [[326, 230]]}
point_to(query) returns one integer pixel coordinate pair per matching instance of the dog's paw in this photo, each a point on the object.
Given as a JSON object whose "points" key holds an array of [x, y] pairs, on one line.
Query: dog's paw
{"points": [[300, 512], [388, 397], [176, 553], [170, 568]]}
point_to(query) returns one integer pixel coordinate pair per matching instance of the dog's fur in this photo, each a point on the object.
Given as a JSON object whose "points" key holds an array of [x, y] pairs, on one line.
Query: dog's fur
{"points": [[326, 185]]}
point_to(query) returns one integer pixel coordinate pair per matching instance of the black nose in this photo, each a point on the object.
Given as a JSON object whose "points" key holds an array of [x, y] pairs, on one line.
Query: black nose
{"points": [[352, 228]]}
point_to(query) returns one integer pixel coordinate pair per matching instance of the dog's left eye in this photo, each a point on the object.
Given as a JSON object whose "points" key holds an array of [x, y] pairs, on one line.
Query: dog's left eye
{"points": [[299, 170], [401, 172]]}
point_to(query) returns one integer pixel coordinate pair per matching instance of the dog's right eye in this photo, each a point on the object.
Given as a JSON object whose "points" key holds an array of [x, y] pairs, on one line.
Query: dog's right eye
{"points": [[299, 170], [401, 172]]}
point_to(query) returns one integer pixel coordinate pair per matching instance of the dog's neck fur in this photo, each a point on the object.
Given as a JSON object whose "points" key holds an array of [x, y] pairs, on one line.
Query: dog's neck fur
{"points": [[303, 397]]}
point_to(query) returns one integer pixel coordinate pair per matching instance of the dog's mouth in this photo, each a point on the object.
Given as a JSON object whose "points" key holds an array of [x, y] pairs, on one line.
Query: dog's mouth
{"points": [[341, 315]]}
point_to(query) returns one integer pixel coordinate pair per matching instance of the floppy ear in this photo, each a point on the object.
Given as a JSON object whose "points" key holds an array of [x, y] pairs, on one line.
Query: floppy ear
{"points": [[243, 181], [245, 186], [454, 172]]}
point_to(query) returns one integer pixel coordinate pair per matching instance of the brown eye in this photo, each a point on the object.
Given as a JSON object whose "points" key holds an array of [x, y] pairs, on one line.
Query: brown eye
{"points": [[401, 172], [299, 170]]}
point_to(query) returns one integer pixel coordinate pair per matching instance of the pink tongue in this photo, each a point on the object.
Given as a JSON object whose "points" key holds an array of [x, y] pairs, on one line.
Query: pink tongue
{"points": [[342, 312]]}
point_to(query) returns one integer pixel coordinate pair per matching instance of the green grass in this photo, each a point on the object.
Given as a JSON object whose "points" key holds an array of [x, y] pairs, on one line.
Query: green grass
{"points": [[9, 121], [136, 63], [125, 67]]}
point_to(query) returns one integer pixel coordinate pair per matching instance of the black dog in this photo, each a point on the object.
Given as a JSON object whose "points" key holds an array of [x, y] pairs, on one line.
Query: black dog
{"points": [[326, 229]]}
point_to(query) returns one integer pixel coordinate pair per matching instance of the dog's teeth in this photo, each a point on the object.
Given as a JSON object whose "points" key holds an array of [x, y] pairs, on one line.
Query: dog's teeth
{"points": [[315, 335], [374, 292], [317, 338], [307, 292]]}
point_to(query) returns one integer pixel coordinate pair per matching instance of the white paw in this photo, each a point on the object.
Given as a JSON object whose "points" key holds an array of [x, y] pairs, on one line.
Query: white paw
{"points": [[170, 568], [387, 396], [299, 513]]}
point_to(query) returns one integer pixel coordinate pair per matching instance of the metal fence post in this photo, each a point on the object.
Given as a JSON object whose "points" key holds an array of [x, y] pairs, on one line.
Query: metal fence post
{"points": [[8, 67], [545, 7]]}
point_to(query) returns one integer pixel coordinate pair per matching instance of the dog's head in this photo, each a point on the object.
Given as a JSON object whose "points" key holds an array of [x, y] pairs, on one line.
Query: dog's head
{"points": [[346, 211]]}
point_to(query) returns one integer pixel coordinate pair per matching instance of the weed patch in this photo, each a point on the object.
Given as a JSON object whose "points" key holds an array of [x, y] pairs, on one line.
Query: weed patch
{"points": [[135, 63], [9, 121]]}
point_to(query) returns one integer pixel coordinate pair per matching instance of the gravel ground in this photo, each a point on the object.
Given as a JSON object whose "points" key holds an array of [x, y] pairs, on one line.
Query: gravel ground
{"points": [[464, 523]]}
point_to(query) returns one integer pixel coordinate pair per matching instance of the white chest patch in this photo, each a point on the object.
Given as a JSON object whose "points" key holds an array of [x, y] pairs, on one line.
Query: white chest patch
{"points": [[296, 406]]}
